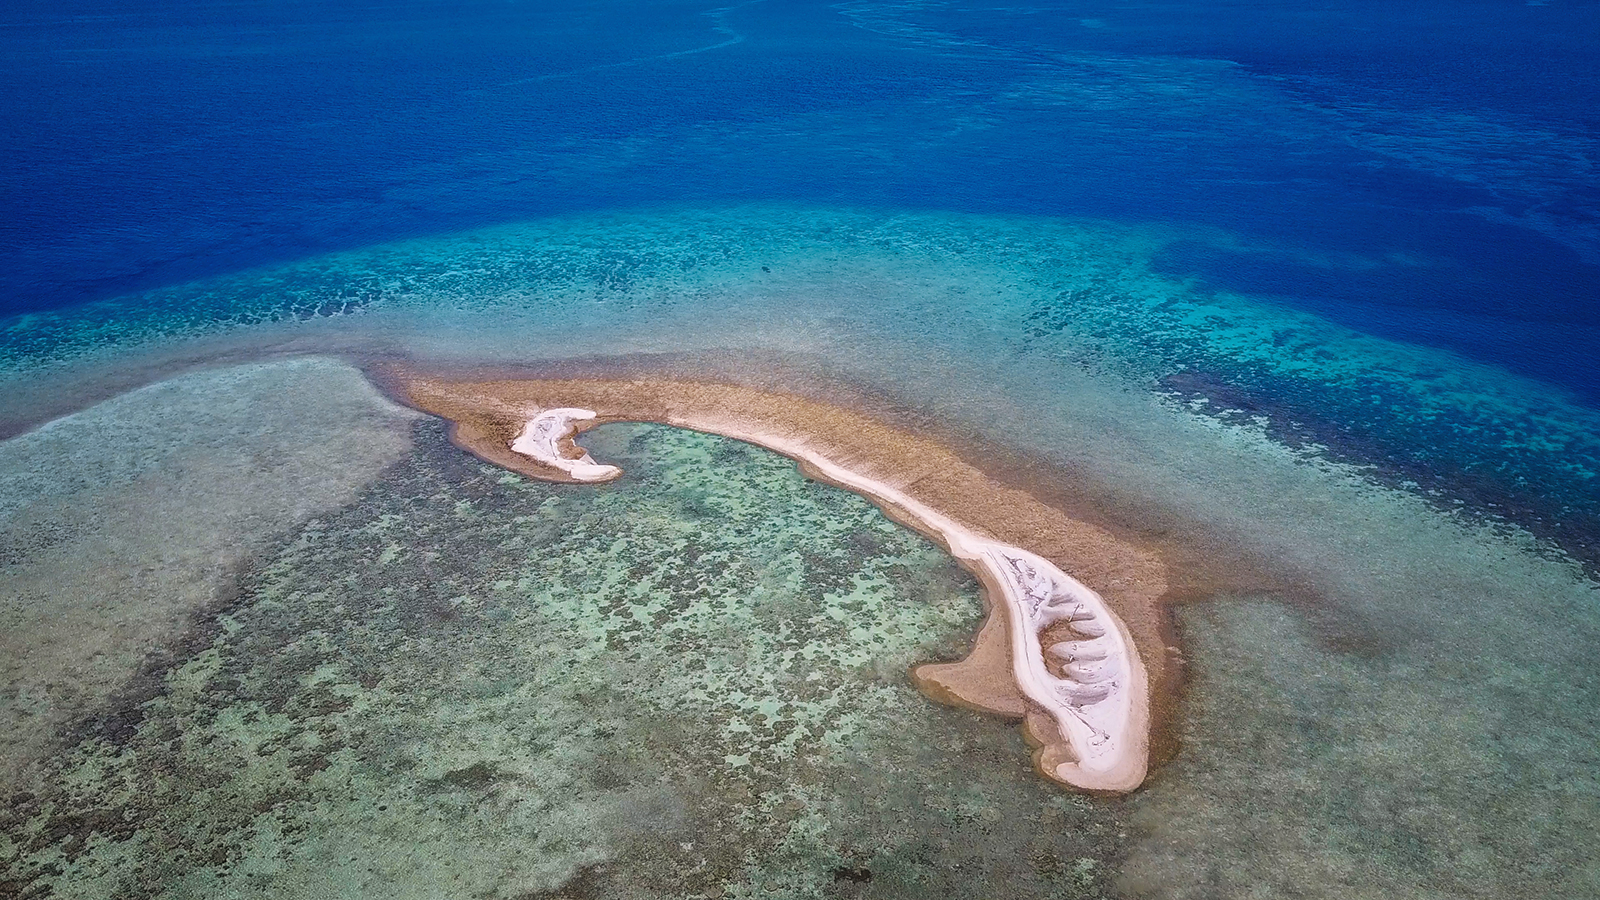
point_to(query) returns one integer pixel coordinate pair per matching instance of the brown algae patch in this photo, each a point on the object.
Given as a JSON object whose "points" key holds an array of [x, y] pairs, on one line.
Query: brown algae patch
{"points": [[925, 486]]}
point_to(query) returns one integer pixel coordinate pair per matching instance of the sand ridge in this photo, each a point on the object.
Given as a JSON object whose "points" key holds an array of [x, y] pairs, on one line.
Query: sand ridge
{"points": [[547, 439], [1051, 651]]}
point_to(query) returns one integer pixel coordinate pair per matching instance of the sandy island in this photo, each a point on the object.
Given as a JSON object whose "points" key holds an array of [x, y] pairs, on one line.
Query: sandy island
{"points": [[1052, 651]]}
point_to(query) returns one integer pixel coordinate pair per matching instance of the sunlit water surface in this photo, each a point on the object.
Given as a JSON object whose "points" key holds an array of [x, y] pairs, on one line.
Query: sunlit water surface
{"points": [[1314, 286]]}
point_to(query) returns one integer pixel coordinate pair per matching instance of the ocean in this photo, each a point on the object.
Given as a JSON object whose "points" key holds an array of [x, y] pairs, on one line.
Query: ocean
{"points": [[1305, 297]]}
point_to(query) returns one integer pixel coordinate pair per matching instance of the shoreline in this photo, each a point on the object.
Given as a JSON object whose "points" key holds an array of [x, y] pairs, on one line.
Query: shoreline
{"points": [[1052, 651]]}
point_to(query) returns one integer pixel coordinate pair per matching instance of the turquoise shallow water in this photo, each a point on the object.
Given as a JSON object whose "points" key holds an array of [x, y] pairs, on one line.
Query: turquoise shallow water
{"points": [[1028, 305], [1417, 717]]}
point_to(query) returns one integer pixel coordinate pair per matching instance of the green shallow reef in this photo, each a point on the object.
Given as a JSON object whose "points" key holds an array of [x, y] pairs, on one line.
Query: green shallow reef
{"points": [[689, 683], [1414, 712]]}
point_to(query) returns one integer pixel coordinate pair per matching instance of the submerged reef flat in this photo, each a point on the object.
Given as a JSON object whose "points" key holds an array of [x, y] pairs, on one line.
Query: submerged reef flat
{"points": [[121, 522], [1389, 688], [1069, 665], [687, 683]]}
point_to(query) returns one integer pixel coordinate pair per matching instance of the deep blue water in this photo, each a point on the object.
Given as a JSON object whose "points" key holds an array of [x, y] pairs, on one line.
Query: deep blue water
{"points": [[1425, 170]]}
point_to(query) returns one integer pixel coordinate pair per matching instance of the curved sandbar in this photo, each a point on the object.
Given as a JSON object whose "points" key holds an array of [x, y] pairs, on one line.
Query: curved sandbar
{"points": [[1052, 651]]}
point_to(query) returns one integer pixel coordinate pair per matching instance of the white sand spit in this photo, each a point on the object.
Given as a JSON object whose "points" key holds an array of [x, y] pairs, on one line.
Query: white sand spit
{"points": [[543, 438]]}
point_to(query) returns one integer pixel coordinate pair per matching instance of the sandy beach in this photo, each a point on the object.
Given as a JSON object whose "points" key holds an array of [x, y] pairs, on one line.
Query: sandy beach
{"points": [[1060, 651]]}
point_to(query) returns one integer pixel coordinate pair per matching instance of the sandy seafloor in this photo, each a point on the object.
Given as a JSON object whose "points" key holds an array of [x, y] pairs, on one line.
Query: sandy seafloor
{"points": [[268, 634]]}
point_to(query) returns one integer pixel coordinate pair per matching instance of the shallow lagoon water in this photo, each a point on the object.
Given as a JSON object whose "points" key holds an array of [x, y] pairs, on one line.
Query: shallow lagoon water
{"points": [[1413, 712]]}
